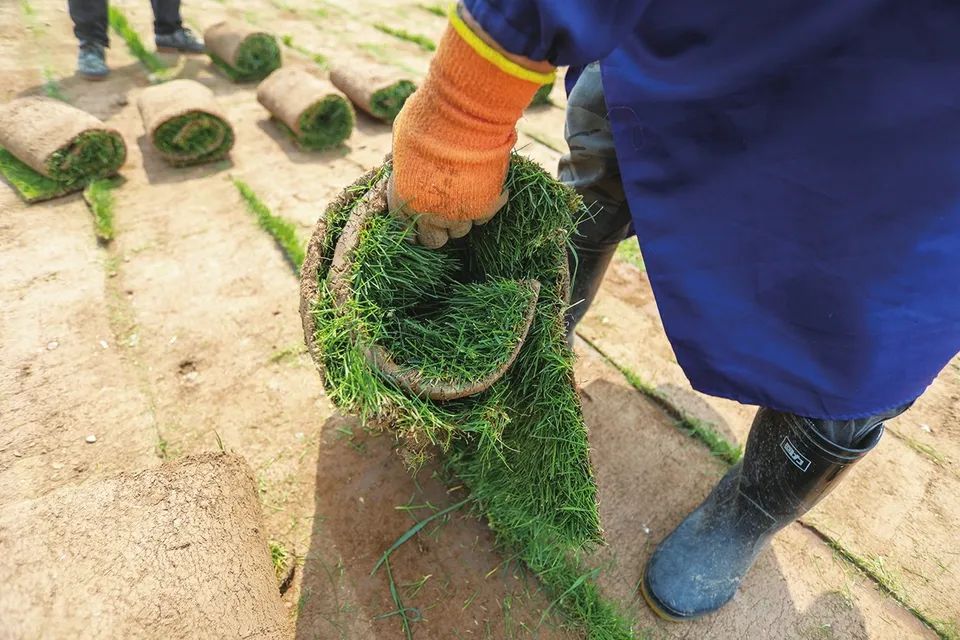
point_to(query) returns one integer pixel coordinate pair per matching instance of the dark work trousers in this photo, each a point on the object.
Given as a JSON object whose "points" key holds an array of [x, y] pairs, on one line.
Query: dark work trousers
{"points": [[90, 19]]}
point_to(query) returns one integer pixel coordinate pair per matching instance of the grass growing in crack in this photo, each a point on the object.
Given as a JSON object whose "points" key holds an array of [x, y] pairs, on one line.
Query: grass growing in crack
{"points": [[280, 557], [282, 230], [122, 27], [423, 42], [99, 198], [318, 58], [629, 252], [435, 9], [719, 446], [874, 569]]}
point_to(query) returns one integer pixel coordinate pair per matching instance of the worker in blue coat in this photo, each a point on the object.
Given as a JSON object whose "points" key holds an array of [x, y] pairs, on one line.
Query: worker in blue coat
{"points": [[792, 172]]}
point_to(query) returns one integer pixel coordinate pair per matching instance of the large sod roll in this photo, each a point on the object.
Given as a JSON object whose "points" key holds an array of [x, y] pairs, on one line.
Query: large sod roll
{"points": [[311, 110], [464, 348], [242, 53], [174, 552], [49, 148], [184, 122], [373, 87]]}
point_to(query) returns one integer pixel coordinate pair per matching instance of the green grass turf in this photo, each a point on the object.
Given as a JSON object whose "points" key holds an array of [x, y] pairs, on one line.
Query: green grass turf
{"points": [[387, 102], [90, 156], [193, 138], [282, 230], [258, 57], [542, 96], [326, 124], [99, 198], [423, 42], [435, 9], [120, 24], [520, 446], [318, 58]]}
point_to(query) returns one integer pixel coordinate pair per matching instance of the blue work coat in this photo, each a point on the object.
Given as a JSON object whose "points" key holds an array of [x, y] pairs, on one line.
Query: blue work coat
{"points": [[793, 173]]}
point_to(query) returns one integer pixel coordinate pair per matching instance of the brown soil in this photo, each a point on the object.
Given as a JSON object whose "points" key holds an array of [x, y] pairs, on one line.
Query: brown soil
{"points": [[178, 551], [184, 334]]}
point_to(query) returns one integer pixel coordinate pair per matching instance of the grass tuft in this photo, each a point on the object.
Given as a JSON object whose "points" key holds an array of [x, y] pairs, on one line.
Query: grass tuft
{"points": [[423, 42], [120, 24], [99, 198], [318, 58], [282, 230]]}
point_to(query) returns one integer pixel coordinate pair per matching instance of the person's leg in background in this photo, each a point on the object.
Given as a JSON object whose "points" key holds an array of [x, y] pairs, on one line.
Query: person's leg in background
{"points": [[90, 26], [591, 169], [169, 32]]}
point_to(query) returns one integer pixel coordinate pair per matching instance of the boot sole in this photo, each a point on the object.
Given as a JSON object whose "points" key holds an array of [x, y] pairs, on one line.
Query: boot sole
{"points": [[655, 605]]}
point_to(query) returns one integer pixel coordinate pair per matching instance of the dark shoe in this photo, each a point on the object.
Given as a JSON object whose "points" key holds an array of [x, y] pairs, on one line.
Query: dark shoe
{"points": [[181, 40], [91, 62], [588, 262], [790, 464]]}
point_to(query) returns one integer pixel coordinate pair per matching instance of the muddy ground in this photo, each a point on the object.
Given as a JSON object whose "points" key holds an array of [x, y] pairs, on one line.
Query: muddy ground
{"points": [[183, 335]]}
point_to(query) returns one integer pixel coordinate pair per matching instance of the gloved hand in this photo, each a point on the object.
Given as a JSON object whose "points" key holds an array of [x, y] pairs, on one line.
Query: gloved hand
{"points": [[452, 139]]}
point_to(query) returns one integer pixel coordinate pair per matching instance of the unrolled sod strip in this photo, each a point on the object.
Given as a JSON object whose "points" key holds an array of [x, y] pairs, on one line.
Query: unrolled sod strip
{"points": [[49, 148], [185, 123], [373, 87], [311, 110], [244, 54]]}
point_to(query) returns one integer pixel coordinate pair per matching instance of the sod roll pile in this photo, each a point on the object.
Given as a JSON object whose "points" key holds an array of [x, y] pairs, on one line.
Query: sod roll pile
{"points": [[49, 148], [463, 348], [175, 552], [373, 87], [309, 109], [242, 53], [184, 122]]}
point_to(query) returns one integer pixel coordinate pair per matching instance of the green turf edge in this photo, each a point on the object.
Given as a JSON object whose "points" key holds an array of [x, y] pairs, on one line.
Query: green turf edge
{"points": [[318, 58], [30, 185], [99, 198], [542, 96], [120, 24], [387, 102], [282, 230], [239, 74], [697, 429], [198, 154], [435, 9], [323, 138], [423, 42]]}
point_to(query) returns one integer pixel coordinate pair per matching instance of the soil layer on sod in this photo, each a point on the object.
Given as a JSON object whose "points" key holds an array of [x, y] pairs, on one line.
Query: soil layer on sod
{"points": [[312, 111], [374, 88], [242, 53], [49, 148], [184, 122], [451, 316]]}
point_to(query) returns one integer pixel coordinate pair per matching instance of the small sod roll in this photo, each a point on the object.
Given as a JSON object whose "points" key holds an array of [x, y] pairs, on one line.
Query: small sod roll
{"points": [[49, 148], [373, 87], [242, 53], [311, 110], [184, 122]]}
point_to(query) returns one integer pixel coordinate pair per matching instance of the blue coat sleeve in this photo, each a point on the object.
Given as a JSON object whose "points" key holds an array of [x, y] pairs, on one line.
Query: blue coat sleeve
{"points": [[564, 32]]}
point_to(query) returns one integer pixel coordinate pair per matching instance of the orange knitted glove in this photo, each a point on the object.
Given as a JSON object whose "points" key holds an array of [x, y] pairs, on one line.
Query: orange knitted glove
{"points": [[452, 139]]}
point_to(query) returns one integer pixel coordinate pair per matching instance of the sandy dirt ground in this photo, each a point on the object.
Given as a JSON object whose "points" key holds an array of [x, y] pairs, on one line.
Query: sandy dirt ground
{"points": [[182, 336]]}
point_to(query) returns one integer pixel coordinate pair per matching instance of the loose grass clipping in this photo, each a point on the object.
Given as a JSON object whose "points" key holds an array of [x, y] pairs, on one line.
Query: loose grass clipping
{"points": [[463, 348], [373, 87], [312, 111], [242, 53], [184, 122], [49, 148], [542, 96]]}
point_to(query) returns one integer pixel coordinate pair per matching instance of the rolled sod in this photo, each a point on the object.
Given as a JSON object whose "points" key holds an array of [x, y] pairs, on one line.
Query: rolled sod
{"points": [[483, 315], [184, 122], [49, 148], [309, 109], [373, 87], [242, 53]]}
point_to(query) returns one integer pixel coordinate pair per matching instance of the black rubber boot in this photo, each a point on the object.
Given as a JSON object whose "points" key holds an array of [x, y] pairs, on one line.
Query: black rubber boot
{"points": [[588, 263], [790, 463]]}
